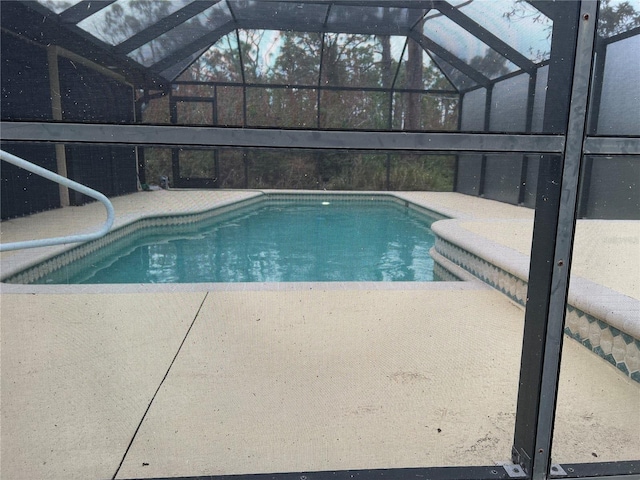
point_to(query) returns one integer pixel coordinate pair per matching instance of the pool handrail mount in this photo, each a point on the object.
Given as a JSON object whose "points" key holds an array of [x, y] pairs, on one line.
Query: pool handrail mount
{"points": [[48, 174]]}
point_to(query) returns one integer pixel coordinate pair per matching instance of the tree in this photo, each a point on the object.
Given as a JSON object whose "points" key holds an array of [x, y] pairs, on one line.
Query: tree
{"points": [[299, 59], [386, 63], [414, 81], [219, 63], [292, 59], [120, 23], [491, 65], [614, 19]]}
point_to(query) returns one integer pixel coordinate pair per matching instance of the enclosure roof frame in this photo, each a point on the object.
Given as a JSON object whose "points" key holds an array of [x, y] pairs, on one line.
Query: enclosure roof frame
{"points": [[153, 76]]}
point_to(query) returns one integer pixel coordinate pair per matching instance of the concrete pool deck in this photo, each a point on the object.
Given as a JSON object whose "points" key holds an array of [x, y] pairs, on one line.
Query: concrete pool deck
{"points": [[265, 378]]}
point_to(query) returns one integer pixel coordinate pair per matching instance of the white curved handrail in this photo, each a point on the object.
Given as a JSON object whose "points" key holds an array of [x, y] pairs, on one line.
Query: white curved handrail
{"points": [[48, 174]]}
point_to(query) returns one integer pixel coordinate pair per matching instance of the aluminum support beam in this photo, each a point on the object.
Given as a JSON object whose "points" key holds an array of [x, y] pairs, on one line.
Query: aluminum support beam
{"points": [[554, 228], [612, 146], [447, 56], [82, 10], [157, 29], [486, 37], [278, 138], [193, 47]]}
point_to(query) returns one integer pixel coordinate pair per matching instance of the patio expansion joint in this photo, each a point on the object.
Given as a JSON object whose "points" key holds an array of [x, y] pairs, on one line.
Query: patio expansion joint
{"points": [[144, 415]]}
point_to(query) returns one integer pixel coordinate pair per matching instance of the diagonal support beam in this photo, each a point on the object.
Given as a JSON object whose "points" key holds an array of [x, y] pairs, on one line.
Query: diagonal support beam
{"points": [[163, 26], [454, 61], [486, 37], [82, 10], [193, 47]]}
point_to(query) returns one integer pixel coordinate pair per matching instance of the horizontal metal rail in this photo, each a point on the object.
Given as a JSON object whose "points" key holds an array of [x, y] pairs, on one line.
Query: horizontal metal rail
{"points": [[612, 146], [46, 242], [279, 138]]}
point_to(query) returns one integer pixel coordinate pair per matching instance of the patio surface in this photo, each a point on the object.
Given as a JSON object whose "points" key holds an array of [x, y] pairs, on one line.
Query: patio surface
{"points": [[158, 381]]}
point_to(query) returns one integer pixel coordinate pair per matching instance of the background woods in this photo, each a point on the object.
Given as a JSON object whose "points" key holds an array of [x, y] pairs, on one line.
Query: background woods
{"points": [[309, 80]]}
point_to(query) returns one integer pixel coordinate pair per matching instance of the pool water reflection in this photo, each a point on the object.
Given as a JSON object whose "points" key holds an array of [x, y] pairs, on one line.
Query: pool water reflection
{"points": [[329, 241]]}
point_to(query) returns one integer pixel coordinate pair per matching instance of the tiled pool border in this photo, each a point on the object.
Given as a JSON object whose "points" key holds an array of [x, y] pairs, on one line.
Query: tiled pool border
{"points": [[602, 320], [44, 267]]}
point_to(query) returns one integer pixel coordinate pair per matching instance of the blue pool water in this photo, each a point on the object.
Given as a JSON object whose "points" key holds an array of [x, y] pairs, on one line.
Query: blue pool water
{"points": [[338, 241]]}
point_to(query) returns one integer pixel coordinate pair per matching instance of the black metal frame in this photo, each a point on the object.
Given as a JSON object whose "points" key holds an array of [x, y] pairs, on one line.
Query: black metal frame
{"points": [[551, 250], [439, 473], [594, 112], [214, 182], [86, 44], [556, 207], [191, 182], [165, 135], [592, 471]]}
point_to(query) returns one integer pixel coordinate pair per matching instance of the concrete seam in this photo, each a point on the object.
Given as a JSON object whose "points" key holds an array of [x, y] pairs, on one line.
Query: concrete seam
{"points": [[144, 415]]}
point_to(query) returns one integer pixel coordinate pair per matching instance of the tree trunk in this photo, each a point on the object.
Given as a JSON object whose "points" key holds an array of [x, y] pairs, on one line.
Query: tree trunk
{"points": [[387, 74], [414, 81]]}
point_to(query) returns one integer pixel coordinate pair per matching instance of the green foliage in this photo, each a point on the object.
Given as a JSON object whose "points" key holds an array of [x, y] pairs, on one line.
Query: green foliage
{"points": [[292, 59], [232, 169], [340, 170], [491, 65], [614, 19], [299, 59], [196, 163], [157, 164], [422, 172]]}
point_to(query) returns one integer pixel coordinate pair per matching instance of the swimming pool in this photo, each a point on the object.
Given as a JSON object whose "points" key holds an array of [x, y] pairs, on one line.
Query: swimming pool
{"points": [[318, 239]]}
